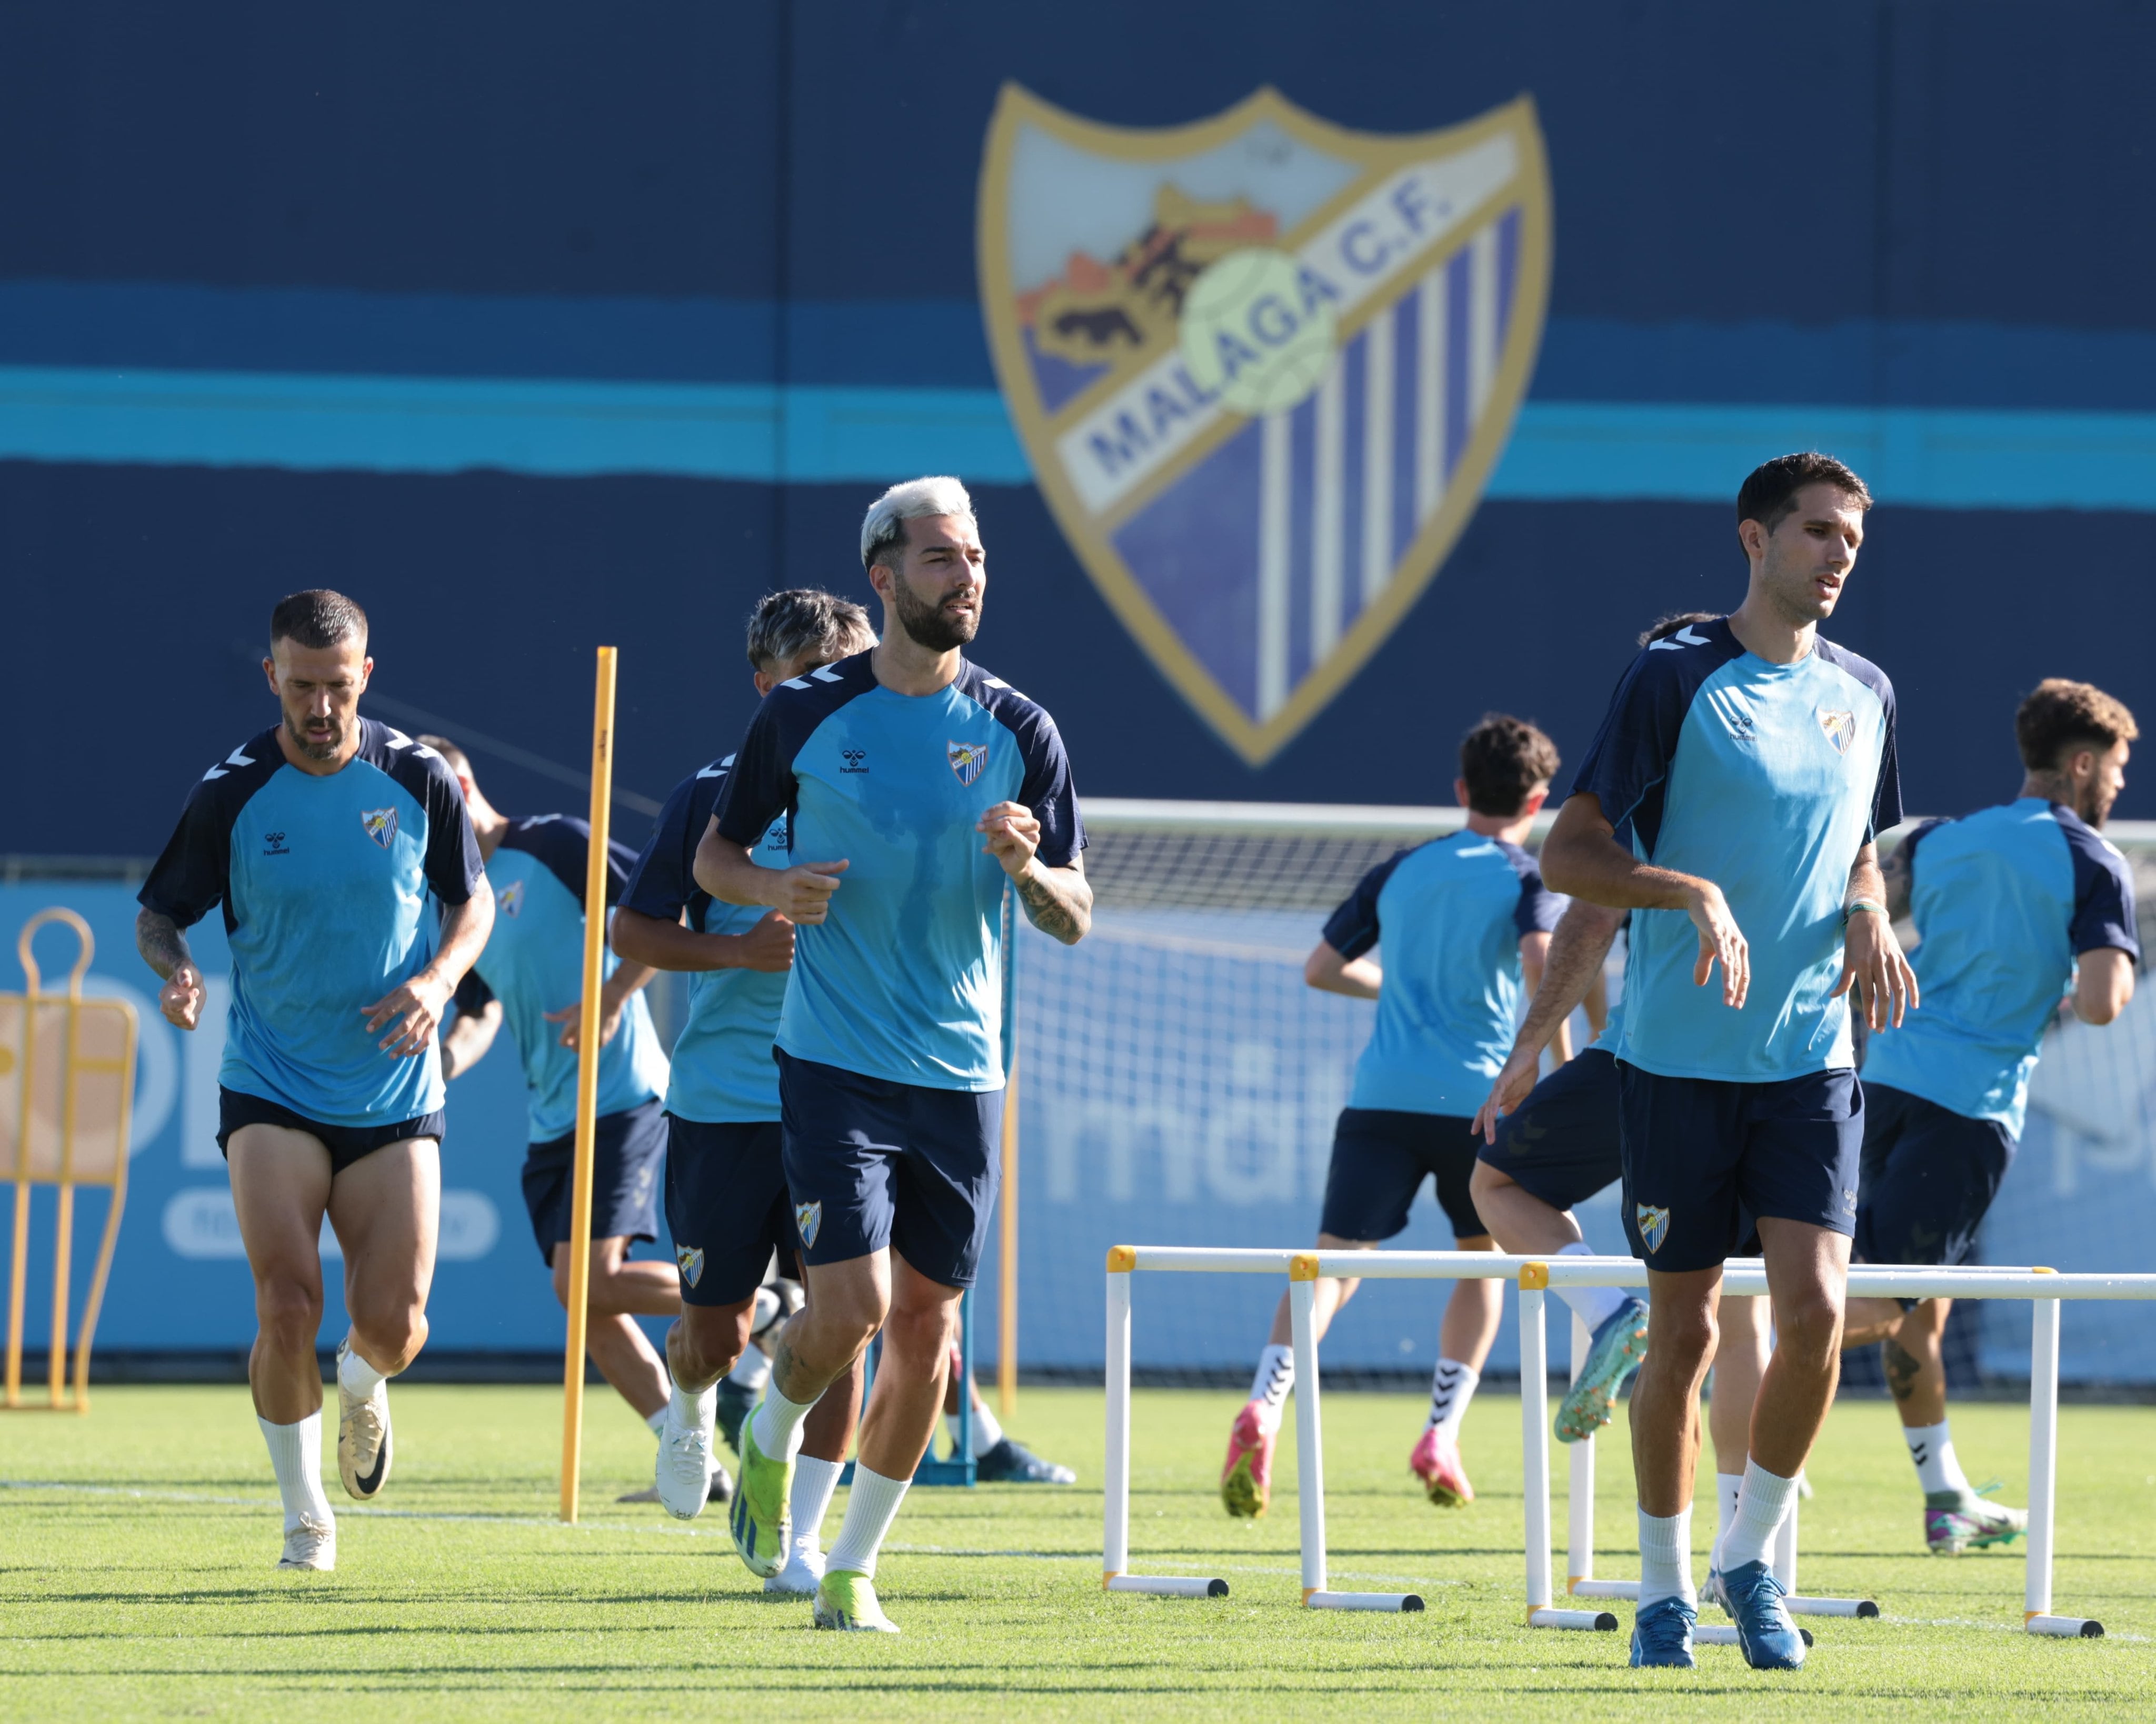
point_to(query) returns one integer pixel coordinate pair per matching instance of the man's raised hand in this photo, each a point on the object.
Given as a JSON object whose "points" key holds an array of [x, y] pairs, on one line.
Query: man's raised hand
{"points": [[181, 999], [802, 893], [1012, 835]]}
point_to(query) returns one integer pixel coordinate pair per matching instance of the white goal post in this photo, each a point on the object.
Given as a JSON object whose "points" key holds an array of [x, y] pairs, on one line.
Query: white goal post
{"points": [[1534, 1277]]}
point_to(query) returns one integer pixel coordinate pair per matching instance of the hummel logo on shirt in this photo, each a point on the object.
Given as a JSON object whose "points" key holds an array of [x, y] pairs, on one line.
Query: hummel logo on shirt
{"points": [[1684, 636], [273, 845], [856, 760]]}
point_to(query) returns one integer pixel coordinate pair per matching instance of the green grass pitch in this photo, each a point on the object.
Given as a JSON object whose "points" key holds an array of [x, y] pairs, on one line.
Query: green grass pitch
{"points": [[136, 1547]]}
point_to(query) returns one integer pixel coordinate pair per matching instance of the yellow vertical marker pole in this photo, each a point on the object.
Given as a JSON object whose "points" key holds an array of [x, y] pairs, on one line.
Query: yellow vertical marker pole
{"points": [[588, 1085]]}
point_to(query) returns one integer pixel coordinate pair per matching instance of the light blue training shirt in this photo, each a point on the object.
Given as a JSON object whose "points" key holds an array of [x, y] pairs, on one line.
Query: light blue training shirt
{"points": [[2006, 899], [904, 980], [723, 1071], [325, 883], [1450, 914], [534, 963], [1767, 779]]}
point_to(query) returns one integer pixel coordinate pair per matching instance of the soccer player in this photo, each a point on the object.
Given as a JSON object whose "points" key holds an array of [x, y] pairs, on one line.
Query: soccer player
{"points": [[726, 1203], [2018, 905], [530, 975], [918, 789], [322, 839], [1464, 922], [1753, 764]]}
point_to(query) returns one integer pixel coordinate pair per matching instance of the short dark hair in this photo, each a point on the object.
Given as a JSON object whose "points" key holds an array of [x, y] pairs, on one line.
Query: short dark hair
{"points": [[1676, 620], [458, 761], [786, 624], [317, 617], [2060, 716], [1503, 759], [1770, 493]]}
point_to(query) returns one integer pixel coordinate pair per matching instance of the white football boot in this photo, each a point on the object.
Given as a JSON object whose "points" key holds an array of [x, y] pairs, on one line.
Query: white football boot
{"points": [[310, 1544]]}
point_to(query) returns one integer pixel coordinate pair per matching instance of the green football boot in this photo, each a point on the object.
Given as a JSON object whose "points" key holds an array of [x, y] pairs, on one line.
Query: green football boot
{"points": [[1958, 1521], [846, 1601], [760, 1519]]}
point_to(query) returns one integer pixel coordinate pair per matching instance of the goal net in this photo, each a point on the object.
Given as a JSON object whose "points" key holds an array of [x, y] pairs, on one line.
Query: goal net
{"points": [[1178, 1084]]}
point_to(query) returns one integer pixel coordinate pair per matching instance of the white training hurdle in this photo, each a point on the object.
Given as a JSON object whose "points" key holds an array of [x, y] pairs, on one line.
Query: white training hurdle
{"points": [[1535, 1276]]}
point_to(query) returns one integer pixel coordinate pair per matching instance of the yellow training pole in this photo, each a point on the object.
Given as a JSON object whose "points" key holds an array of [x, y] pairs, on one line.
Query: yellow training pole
{"points": [[1007, 1258], [588, 1085]]}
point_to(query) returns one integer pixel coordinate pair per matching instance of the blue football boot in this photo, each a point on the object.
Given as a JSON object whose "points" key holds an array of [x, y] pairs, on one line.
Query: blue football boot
{"points": [[1753, 1599], [1662, 1635]]}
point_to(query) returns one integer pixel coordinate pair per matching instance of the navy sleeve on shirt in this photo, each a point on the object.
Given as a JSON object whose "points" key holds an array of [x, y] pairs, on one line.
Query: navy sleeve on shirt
{"points": [[1351, 930], [1539, 908], [662, 883], [453, 865], [2103, 894], [760, 786], [1046, 789], [192, 875], [1627, 766]]}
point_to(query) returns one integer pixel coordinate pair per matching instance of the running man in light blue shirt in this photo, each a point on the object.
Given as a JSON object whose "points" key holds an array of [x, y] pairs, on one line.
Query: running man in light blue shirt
{"points": [[726, 1201], [2018, 907], [919, 791], [1465, 925], [327, 842], [1753, 764], [531, 979]]}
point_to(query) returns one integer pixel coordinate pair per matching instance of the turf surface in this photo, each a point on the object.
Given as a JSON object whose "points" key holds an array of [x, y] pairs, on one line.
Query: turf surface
{"points": [[135, 1581]]}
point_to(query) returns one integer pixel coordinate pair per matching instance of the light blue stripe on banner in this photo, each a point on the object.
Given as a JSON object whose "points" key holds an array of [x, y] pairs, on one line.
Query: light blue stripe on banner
{"points": [[813, 433]]}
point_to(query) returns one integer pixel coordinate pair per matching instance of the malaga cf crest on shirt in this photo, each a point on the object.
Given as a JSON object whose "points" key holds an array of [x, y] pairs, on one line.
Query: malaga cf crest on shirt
{"points": [[510, 900], [967, 760], [380, 824], [1841, 728], [1264, 368]]}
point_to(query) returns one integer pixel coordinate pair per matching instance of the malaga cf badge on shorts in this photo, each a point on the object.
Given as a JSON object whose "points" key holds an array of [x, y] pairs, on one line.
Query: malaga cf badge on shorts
{"points": [[380, 824], [809, 1219], [967, 760], [1264, 368], [1653, 1225], [690, 1258]]}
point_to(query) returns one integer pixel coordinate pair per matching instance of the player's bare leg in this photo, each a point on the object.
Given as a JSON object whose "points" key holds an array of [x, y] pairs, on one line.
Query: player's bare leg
{"points": [[1470, 1324], [281, 1189], [620, 1290], [1246, 1476], [385, 1208], [1616, 1321], [1740, 1359]]}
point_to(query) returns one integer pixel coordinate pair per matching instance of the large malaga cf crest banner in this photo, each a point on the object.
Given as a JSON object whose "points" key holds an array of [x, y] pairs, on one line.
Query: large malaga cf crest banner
{"points": [[1264, 368]]}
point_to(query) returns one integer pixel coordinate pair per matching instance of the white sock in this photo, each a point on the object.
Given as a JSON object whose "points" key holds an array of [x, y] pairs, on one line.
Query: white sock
{"points": [[986, 1433], [872, 1506], [296, 1455], [778, 1424], [1727, 1486], [1269, 1387], [1451, 1387], [1938, 1468], [751, 1370], [355, 1375], [1666, 1557], [1761, 1506], [1594, 1305], [813, 1482], [657, 1421], [691, 1409]]}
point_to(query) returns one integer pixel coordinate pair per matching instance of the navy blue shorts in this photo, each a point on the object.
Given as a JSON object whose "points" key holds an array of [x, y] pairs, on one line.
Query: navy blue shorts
{"points": [[871, 1163], [346, 1144], [625, 1151], [726, 1207], [1380, 1159], [1928, 1175], [1560, 1144], [1704, 1156]]}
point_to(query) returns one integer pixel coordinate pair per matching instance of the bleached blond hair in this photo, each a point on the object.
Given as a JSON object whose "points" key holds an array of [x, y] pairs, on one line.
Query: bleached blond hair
{"points": [[916, 500]]}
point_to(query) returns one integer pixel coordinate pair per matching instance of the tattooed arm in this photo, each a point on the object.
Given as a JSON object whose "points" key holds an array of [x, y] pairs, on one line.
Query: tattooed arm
{"points": [[164, 949], [1059, 902]]}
